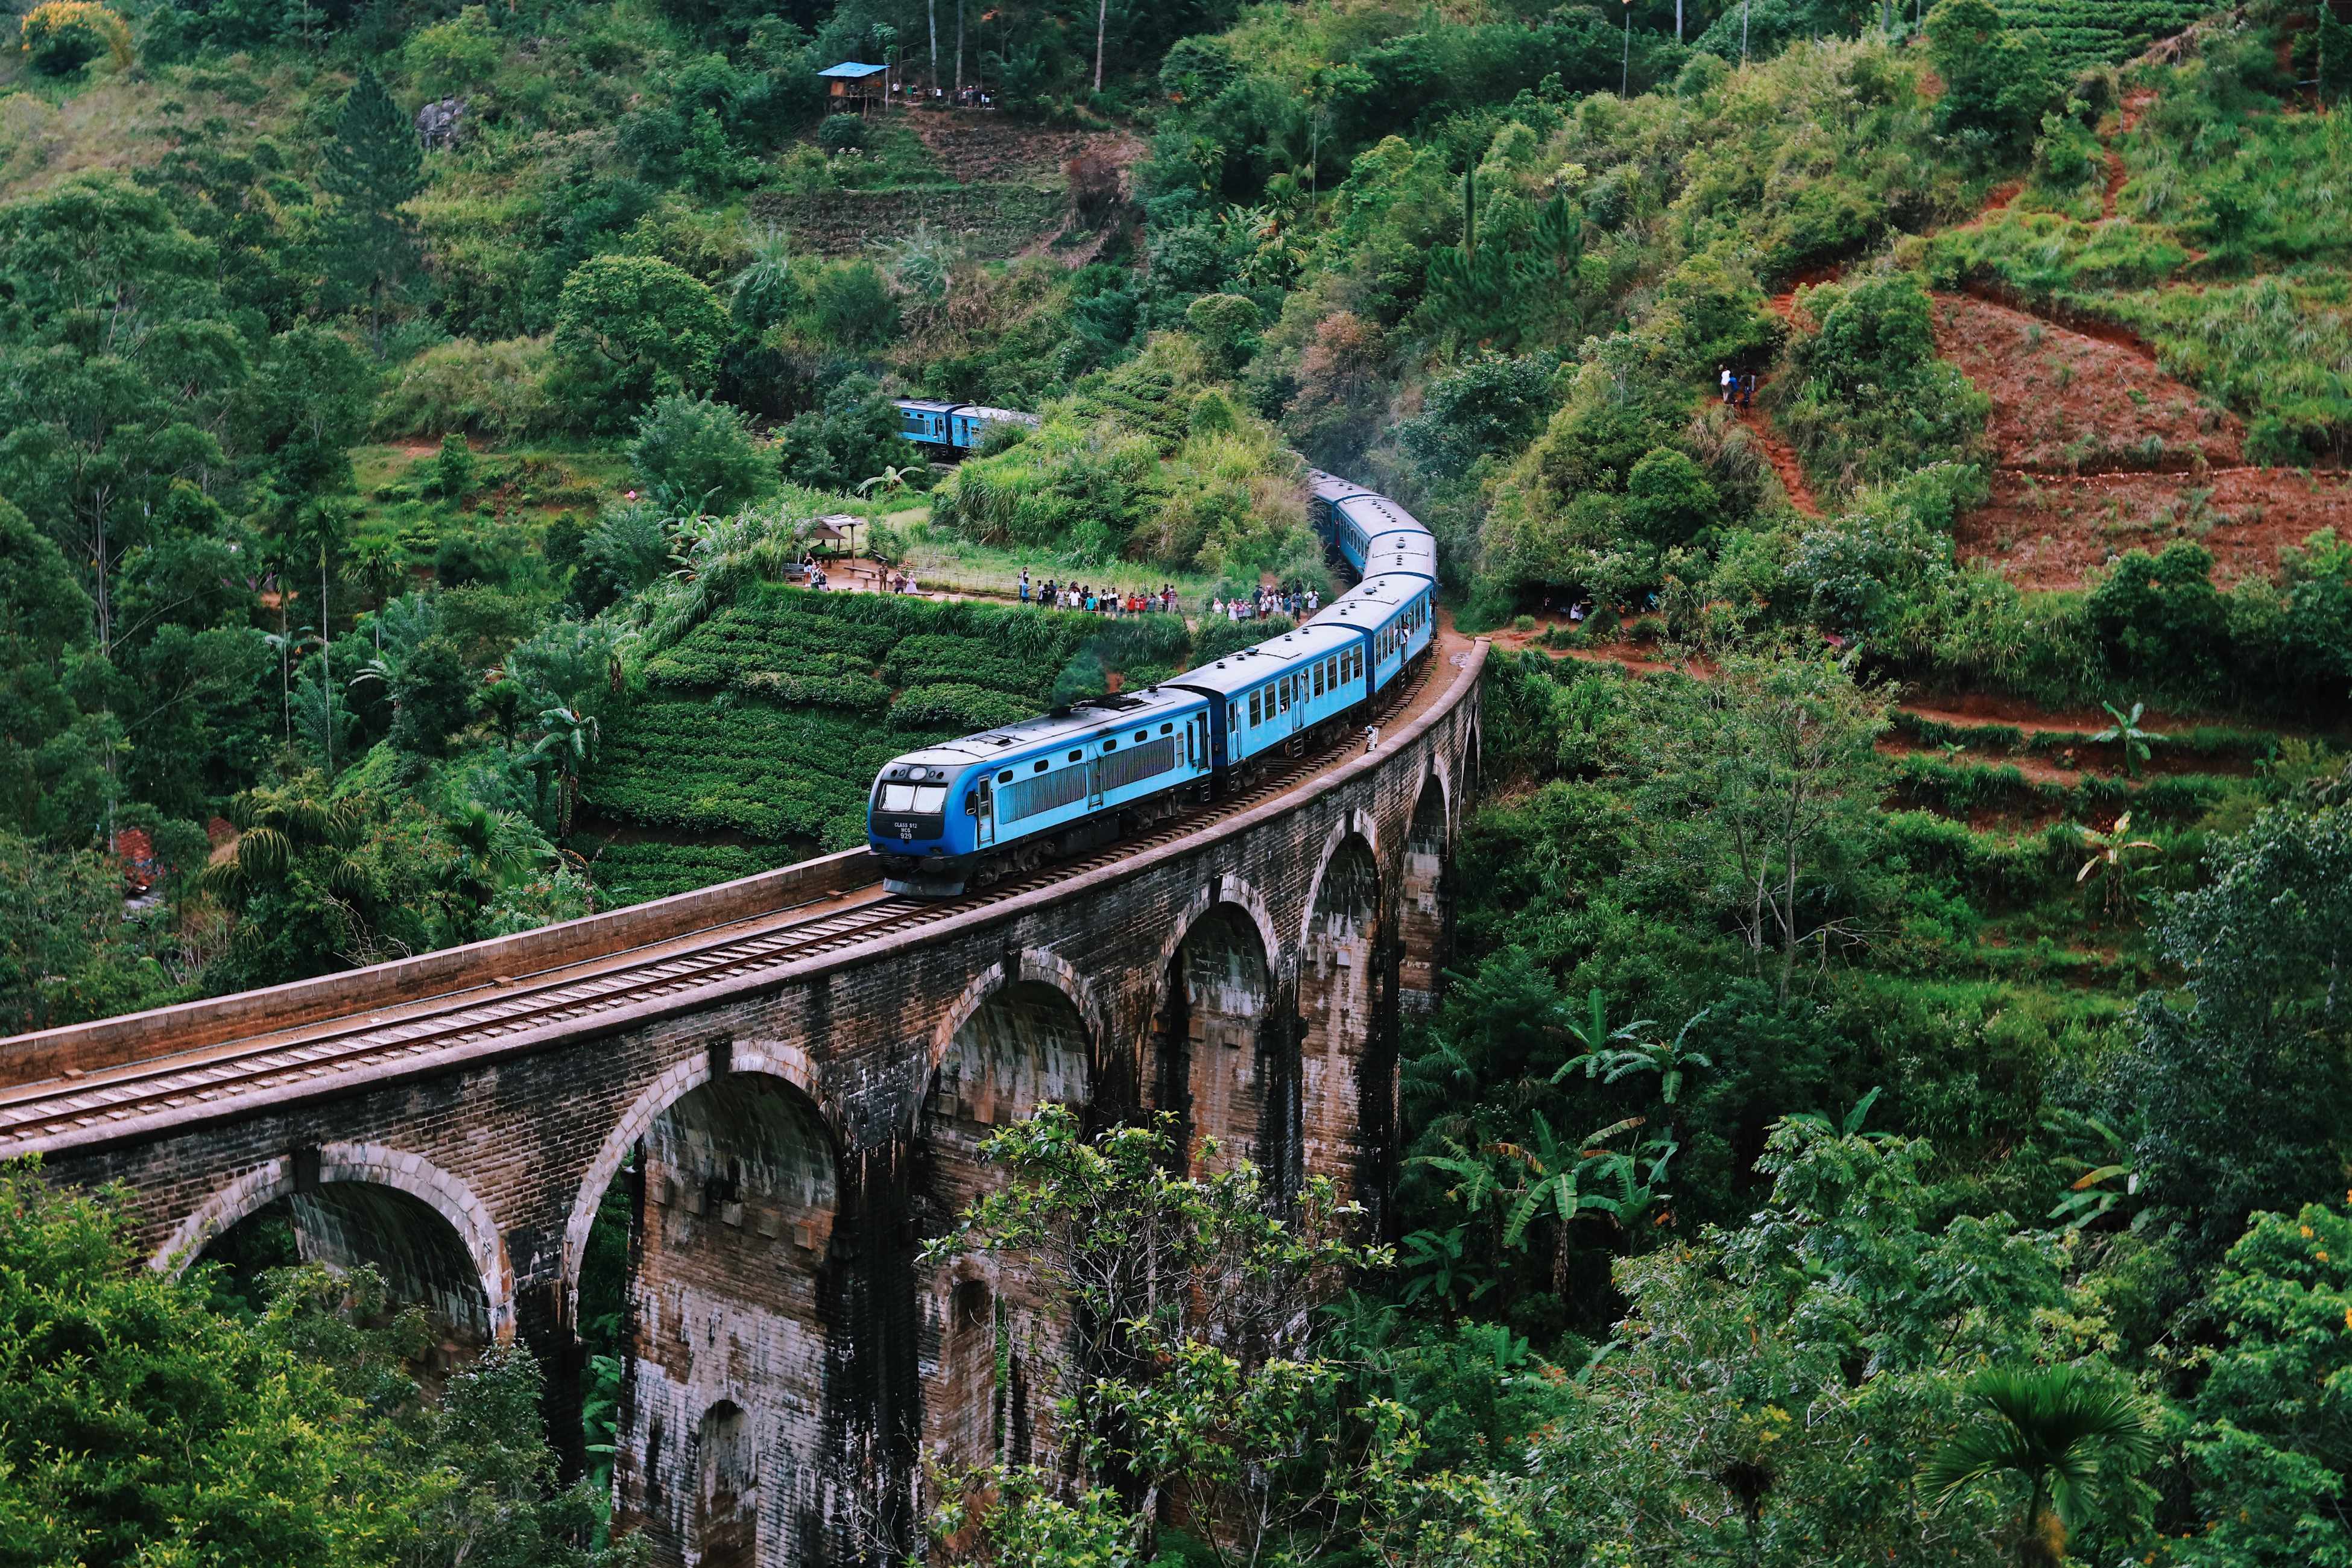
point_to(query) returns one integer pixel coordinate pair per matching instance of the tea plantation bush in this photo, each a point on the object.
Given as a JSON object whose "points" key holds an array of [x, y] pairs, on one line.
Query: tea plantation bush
{"points": [[770, 717]]}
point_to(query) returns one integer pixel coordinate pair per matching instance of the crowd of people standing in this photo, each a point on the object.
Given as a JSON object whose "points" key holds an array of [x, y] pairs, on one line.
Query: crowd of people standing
{"points": [[1056, 595], [1097, 600], [1294, 601]]}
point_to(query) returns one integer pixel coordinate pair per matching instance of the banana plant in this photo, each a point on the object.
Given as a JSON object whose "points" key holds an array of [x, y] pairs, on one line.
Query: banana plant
{"points": [[1594, 1033], [2126, 729], [1847, 1126], [1555, 1173], [2101, 1182], [2111, 859], [1667, 1058]]}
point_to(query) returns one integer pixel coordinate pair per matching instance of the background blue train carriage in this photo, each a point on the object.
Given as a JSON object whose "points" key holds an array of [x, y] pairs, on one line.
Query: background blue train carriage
{"points": [[925, 420], [958, 427], [934, 816], [1264, 695], [970, 423]]}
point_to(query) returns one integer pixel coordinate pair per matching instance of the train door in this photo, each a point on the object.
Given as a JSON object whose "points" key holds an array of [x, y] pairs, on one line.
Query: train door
{"points": [[987, 811], [1196, 742], [1094, 782]]}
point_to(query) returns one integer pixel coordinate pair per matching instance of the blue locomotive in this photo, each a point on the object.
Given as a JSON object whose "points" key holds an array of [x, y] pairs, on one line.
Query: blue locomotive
{"points": [[966, 812]]}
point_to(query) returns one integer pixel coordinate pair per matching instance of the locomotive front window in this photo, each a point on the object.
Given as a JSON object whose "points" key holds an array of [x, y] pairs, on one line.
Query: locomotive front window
{"points": [[919, 800]]}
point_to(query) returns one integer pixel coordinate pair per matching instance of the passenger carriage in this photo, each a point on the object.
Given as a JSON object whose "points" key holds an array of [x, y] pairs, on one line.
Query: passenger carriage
{"points": [[953, 427]]}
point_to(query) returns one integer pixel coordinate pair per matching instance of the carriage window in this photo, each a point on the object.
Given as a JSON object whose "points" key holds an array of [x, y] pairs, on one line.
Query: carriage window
{"points": [[1040, 764], [1075, 756], [1255, 716], [1164, 728], [1146, 734], [1004, 777], [1318, 680], [1109, 746], [1286, 694]]}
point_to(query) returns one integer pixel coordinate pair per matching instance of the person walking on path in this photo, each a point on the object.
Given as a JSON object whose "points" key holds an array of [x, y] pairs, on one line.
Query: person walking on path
{"points": [[1730, 384], [1024, 586]]}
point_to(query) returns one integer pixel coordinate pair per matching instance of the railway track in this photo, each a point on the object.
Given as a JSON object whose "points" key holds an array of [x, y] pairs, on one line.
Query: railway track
{"points": [[31, 1112]]}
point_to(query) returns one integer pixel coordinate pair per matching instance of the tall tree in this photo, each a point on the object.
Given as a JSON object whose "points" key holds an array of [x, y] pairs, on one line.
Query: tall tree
{"points": [[373, 168]]}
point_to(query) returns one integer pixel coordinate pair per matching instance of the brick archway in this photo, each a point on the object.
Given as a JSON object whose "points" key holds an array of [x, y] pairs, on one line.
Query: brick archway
{"points": [[771, 1060], [369, 1164]]}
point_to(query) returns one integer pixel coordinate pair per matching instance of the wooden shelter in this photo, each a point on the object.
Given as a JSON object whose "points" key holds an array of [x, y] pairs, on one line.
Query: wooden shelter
{"points": [[852, 87]]}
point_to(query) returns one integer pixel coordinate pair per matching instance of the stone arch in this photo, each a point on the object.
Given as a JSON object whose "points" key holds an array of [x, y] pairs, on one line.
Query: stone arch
{"points": [[731, 1300], [1226, 889], [1346, 1010], [789, 1063], [1033, 965], [1353, 824], [1424, 922], [1015, 1041], [1224, 1041], [370, 1203]]}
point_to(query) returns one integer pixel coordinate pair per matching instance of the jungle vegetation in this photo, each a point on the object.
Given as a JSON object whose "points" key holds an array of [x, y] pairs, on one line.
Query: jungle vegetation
{"points": [[1888, 1098]]}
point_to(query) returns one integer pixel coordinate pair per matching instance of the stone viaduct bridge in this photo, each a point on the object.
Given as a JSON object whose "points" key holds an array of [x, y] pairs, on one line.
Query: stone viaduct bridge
{"points": [[786, 1081]]}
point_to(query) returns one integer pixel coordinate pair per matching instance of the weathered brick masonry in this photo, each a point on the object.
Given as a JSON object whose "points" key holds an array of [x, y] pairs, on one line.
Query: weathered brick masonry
{"points": [[789, 1136]]}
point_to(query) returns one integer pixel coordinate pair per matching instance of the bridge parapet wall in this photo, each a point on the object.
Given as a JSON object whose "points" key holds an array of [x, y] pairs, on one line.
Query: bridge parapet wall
{"points": [[136, 1037]]}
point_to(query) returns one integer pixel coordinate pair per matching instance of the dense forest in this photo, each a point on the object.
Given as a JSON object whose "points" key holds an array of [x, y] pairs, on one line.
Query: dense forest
{"points": [[1890, 1103]]}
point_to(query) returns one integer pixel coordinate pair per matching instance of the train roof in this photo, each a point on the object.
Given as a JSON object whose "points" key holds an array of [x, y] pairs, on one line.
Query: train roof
{"points": [[1376, 514], [1373, 600], [1263, 661], [928, 404], [1408, 551], [997, 415], [1331, 488], [1102, 716]]}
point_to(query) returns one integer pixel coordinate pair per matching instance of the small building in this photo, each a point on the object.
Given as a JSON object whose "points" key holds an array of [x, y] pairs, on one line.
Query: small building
{"points": [[851, 84], [836, 529]]}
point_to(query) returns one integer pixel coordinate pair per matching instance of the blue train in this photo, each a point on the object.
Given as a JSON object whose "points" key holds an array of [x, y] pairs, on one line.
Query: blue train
{"points": [[965, 813], [953, 427]]}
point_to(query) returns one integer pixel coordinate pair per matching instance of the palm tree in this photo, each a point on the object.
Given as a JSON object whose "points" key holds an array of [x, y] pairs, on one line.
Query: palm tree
{"points": [[2126, 727], [275, 825], [2057, 1430], [570, 742]]}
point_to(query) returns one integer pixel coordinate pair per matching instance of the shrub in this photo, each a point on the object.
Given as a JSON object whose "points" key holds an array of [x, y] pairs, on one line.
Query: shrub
{"points": [[854, 306], [694, 455], [841, 132], [1870, 399], [63, 36], [1997, 81], [453, 56], [957, 707], [496, 390], [851, 436]]}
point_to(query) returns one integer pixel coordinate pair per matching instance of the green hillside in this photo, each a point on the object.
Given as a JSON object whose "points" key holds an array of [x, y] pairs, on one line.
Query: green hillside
{"points": [[1888, 1098]]}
